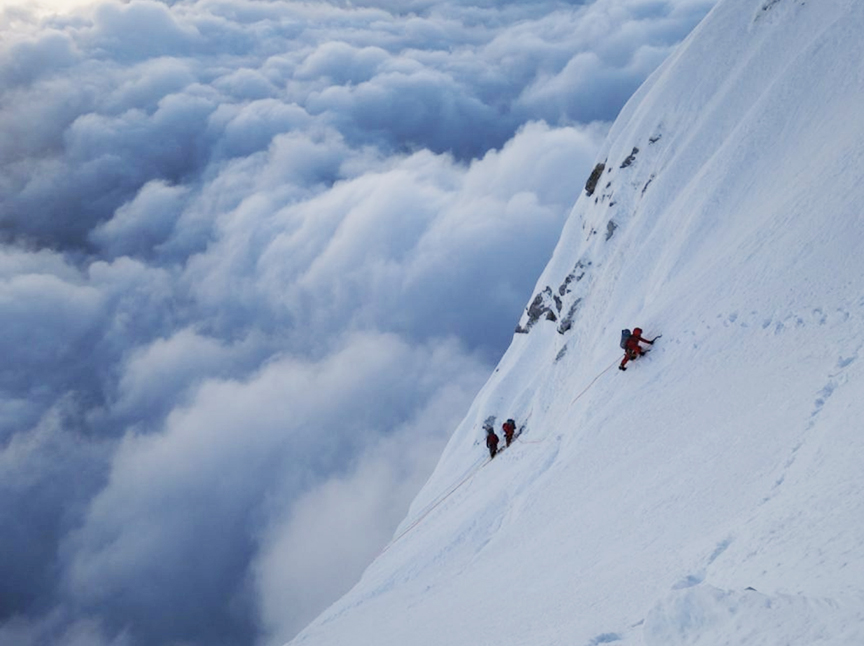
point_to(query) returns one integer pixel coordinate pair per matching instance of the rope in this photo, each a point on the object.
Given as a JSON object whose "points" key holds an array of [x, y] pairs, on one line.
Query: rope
{"points": [[474, 469], [420, 518], [585, 390]]}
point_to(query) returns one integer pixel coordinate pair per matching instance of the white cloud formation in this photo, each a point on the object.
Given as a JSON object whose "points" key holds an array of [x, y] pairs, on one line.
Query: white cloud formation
{"points": [[199, 492], [256, 259], [341, 525]]}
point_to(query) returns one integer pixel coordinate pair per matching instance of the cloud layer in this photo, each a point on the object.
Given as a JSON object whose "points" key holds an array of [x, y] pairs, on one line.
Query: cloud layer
{"points": [[257, 258]]}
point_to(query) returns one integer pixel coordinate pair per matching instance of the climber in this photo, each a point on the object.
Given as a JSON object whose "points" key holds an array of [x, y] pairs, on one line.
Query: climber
{"points": [[632, 349], [491, 442], [509, 428]]}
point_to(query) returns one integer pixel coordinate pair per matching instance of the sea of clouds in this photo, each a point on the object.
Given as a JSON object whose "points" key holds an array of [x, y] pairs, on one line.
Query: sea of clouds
{"points": [[257, 259]]}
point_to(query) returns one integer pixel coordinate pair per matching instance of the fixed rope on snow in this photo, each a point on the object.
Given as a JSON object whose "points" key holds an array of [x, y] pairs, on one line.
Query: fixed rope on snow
{"points": [[474, 469], [471, 472], [585, 390]]}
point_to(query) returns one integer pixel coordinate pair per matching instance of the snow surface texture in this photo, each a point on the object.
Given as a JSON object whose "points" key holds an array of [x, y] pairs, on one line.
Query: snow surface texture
{"points": [[713, 493]]}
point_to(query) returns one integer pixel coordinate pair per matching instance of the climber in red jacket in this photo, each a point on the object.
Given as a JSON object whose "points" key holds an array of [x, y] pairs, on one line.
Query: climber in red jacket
{"points": [[632, 349], [509, 428], [491, 442]]}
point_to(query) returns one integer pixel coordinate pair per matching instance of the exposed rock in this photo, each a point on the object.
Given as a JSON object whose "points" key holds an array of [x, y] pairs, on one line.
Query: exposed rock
{"points": [[567, 321], [542, 307], [591, 184], [630, 158], [577, 269], [645, 188]]}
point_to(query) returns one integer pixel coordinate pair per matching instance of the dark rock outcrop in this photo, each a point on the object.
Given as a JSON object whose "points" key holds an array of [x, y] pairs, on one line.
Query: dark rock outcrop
{"points": [[591, 184]]}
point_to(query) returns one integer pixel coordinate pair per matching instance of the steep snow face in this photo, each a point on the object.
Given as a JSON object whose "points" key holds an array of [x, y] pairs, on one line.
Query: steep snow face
{"points": [[712, 494]]}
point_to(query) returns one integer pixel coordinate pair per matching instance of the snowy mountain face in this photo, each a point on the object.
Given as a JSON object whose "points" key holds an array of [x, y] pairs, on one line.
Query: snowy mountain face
{"points": [[712, 493]]}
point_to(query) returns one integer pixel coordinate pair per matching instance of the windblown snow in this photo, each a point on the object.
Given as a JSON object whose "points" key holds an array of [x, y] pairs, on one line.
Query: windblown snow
{"points": [[711, 494]]}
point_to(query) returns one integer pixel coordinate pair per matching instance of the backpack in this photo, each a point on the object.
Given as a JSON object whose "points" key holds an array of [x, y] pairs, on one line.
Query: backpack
{"points": [[625, 336]]}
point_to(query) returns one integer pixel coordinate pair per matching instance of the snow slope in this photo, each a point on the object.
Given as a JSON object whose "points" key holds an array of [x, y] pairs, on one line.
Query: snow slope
{"points": [[712, 494]]}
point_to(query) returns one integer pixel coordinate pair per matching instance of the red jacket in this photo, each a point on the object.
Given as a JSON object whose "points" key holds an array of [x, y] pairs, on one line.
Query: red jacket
{"points": [[632, 344], [491, 440]]}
